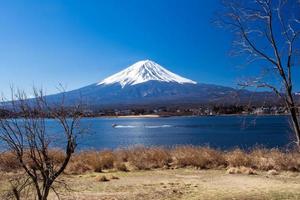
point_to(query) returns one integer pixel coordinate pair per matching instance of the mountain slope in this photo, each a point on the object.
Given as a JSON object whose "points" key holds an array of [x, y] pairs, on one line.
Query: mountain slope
{"points": [[146, 82], [144, 71]]}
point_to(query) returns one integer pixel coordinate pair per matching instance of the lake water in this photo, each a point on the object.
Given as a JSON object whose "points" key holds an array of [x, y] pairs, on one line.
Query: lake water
{"points": [[223, 132]]}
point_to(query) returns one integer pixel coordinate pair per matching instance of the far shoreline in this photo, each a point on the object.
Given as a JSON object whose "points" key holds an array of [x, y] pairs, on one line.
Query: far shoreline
{"points": [[169, 116]]}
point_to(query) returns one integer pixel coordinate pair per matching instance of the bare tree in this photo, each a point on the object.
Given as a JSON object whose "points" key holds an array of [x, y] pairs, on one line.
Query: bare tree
{"points": [[267, 34], [26, 133]]}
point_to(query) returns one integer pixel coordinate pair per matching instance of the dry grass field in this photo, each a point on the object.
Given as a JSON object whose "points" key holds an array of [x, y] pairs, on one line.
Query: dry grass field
{"points": [[184, 172], [184, 183]]}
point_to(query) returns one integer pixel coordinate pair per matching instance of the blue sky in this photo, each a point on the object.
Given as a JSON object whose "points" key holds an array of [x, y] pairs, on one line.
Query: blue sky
{"points": [[76, 43]]}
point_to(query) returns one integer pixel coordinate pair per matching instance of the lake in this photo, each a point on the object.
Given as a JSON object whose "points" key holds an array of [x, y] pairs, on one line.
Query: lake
{"points": [[224, 132]]}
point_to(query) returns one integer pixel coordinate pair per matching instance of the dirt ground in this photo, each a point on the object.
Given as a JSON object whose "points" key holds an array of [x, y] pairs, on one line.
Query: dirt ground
{"points": [[187, 184]]}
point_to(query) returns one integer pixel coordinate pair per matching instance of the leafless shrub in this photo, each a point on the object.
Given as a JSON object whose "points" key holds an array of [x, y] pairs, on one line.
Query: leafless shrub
{"points": [[121, 158], [20, 186], [201, 157], [78, 167], [122, 155], [121, 166], [28, 139], [265, 159], [9, 162], [237, 158], [98, 161], [148, 158], [269, 159], [267, 35]]}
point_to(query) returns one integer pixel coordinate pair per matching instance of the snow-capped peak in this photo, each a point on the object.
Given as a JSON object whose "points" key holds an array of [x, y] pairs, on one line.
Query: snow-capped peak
{"points": [[143, 71]]}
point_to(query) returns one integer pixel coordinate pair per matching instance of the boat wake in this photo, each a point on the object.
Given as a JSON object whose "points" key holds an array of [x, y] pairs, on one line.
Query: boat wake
{"points": [[142, 126], [124, 126], [160, 126]]}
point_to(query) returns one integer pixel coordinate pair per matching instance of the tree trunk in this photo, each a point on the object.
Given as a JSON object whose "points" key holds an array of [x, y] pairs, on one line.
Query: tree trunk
{"points": [[295, 122], [46, 193], [16, 193], [294, 115]]}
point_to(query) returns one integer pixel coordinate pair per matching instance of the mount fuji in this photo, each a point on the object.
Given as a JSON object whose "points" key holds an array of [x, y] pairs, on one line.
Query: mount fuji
{"points": [[148, 83], [144, 71]]}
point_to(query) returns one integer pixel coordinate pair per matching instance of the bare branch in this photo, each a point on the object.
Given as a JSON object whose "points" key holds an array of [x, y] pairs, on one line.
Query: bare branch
{"points": [[28, 136]]}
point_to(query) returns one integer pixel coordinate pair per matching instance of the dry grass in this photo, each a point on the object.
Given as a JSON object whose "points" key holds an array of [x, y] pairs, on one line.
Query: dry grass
{"points": [[184, 184], [121, 166], [8, 162], [149, 158], [146, 158], [237, 158], [102, 179], [95, 160], [241, 170], [200, 157], [78, 167]]}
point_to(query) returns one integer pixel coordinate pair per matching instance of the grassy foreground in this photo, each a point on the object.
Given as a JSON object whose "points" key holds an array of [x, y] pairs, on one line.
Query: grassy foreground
{"points": [[145, 158], [185, 183], [184, 172]]}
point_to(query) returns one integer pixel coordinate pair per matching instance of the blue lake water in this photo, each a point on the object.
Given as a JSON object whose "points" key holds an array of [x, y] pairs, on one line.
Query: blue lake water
{"points": [[223, 132]]}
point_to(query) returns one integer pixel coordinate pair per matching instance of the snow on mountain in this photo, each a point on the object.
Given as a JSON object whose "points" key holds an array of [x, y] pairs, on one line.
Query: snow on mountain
{"points": [[148, 83], [144, 71]]}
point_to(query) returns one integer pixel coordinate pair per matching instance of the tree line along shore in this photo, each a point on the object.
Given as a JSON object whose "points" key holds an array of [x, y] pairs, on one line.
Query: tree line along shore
{"points": [[168, 111]]}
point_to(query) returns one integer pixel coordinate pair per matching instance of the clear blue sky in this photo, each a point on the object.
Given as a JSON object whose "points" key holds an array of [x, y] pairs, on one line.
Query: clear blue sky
{"points": [[79, 42]]}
